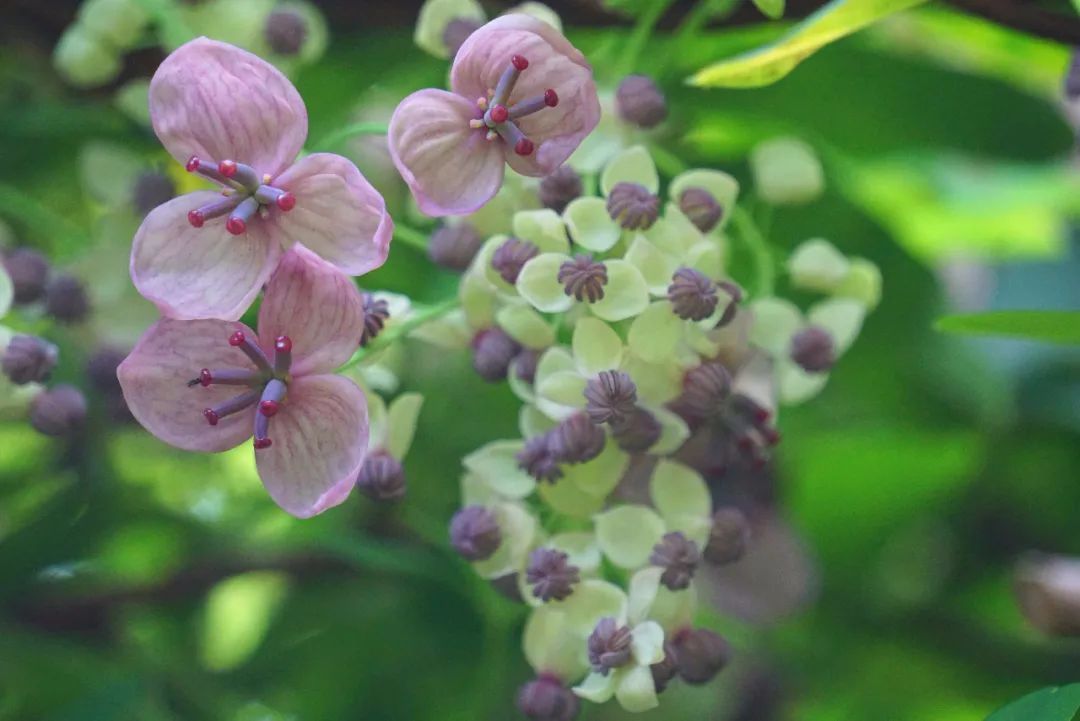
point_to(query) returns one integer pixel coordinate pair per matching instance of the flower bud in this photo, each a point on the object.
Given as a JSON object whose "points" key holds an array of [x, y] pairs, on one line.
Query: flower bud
{"points": [[538, 460], [640, 102], [29, 271], [382, 478], [813, 349], [786, 172], [692, 294], [728, 537], [66, 299], [576, 440], [525, 364], [551, 575], [609, 645], [29, 359], [705, 390], [118, 23], [610, 397], [700, 654], [376, 313], [509, 258], [457, 31], [664, 672], [632, 206], [454, 246], [83, 60], [58, 411], [285, 31], [151, 189], [493, 350], [701, 208], [545, 698], [679, 557], [559, 188], [1048, 591], [475, 533], [638, 432]]}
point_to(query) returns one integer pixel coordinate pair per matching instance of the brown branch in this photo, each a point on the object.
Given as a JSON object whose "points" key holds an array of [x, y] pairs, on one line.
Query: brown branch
{"points": [[1026, 18]]}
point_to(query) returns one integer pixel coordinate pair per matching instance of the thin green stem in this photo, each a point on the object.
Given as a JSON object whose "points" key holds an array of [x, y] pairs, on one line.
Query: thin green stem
{"points": [[639, 36], [336, 138], [411, 237], [397, 332], [764, 264]]}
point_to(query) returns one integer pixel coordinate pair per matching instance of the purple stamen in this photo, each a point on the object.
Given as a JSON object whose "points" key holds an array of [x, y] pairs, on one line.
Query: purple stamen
{"points": [[533, 105], [508, 79], [227, 377], [213, 210], [282, 355], [245, 175], [231, 406], [238, 219], [209, 169], [271, 398], [252, 350]]}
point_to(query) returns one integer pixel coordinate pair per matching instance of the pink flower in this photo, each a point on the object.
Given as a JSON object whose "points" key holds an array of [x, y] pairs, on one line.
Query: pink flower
{"points": [[233, 118], [209, 385], [522, 94]]}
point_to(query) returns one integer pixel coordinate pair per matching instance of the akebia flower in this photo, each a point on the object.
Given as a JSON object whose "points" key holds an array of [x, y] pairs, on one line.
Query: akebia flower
{"points": [[209, 385], [522, 95], [237, 121]]}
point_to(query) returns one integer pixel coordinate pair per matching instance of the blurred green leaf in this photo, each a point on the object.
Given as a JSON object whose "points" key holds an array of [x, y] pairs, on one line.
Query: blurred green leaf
{"points": [[1052, 326], [768, 64], [238, 615], [1050, 704], [773, 9]]}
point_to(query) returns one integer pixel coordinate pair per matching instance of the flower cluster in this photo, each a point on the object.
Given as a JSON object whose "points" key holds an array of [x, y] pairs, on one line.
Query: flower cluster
{"points": [[615, 320]]}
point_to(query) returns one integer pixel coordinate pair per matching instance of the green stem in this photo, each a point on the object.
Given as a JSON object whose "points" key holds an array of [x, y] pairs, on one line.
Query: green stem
{"points": [[397, 332], [764, 265], [336, 138], [691, 25], [639, 36], [411, 237]]}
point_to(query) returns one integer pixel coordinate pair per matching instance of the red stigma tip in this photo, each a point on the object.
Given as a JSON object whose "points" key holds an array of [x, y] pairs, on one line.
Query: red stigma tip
{"points": [[236, 226], [524, 147], [499, 114], [192, 164], [211, 417], [261, 443], [519, 62], [286, 201], [205, 378], [195, 218], [283, 344], [237, 338], [551, 98], [227, 168], [268, 408]]}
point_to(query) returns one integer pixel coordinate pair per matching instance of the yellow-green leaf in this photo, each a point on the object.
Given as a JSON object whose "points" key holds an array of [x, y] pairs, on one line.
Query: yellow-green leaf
{"points": [[1052, 326]]}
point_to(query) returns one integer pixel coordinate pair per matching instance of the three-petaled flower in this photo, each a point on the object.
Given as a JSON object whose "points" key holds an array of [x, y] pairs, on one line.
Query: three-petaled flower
{"points": [[236, 120], [522, 95], [208, 385]]}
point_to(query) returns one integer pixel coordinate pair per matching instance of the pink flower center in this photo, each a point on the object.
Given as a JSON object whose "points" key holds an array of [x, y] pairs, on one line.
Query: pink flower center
{"points": [[266, 386], [497, 116], [246, 194]]}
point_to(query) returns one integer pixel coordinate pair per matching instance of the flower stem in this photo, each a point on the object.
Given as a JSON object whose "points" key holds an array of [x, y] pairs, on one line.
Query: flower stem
{"points": [[639, 36], [411, 237], [394, 333], [336, 138], [764, 264]]}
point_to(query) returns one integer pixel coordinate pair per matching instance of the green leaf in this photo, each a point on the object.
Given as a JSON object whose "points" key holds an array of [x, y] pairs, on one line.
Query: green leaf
{"points": [[1050, 704], [772, 62], [772, 9], [1052, 326]]}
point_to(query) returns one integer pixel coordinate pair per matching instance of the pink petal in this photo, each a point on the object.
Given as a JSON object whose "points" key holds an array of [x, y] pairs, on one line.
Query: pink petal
{"points": [[219, 102], [553, 63], [154, 380], [450, 167], [200, 272], [338, 213], [317, 306], [320, 438]]}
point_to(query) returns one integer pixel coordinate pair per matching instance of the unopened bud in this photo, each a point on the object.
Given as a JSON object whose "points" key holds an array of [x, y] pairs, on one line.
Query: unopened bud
{"points": [[539, 460], [632, 206], [29, 359], [382, 478], [454, 246], [577, 439], [58, 411], [551, 575], [700, 654], [475, 533], [610, 397], [706, 389], [701, 208], [559, 188], [728, 537], [66, 299], [545, 698], [813, 349], [285, 31], [638, 432], [493, 350], [640, 102], [692, 294], [29, 272]]}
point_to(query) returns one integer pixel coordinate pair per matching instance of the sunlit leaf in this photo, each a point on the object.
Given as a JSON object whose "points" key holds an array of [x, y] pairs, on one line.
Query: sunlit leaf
{"points": [[1052, 326], [238, 615]]}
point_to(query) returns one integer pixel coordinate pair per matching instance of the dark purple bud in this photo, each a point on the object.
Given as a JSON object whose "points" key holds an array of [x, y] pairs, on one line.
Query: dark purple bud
{"points": [[551, 575], [576, 440], [454, 246], [29, 271], [29, 359], [706, 389], [638, 432], [632, 206], [101, 369], [734, 294], [812, 348], [692, 294], [285, 31], [511, 256], [610, 397], [664, 672], [701, 208], [559, 188], [545, 698], [538, 460], [456, 32], [639, 102], [376, 313], [700, 654], [679, 557], [609, 645], [583, 278], [525, 364], [493, 350], [66, 299], [474, 533], [382, 478], [58, 411], [728, 537], [152, 188]]}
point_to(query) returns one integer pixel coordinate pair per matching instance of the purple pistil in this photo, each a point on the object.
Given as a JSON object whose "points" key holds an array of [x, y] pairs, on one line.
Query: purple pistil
{"points": [[498, 119], [246, 194]]}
